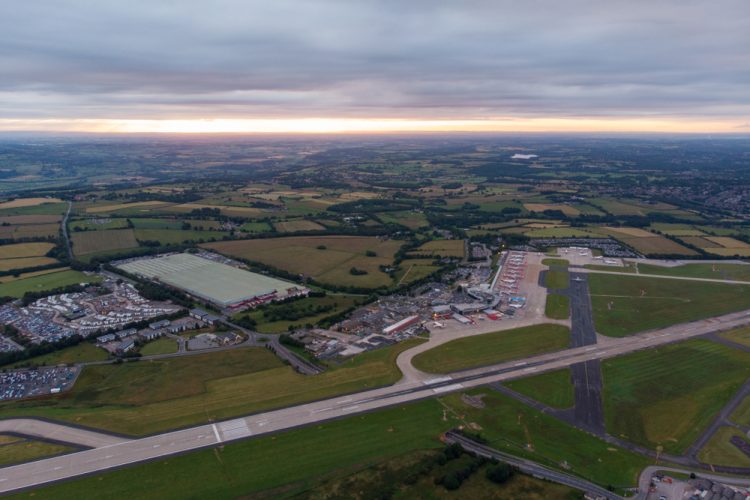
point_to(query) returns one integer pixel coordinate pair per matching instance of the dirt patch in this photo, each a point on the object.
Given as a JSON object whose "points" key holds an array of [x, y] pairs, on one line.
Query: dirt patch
{"points": [[473, 401]]}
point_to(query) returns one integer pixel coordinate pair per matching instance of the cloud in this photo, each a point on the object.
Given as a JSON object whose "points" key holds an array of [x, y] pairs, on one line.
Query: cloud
{"points": [[385, 59]]}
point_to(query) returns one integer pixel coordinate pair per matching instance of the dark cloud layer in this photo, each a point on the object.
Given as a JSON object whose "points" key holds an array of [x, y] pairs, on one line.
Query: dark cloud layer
{"points": [[348, 58]]}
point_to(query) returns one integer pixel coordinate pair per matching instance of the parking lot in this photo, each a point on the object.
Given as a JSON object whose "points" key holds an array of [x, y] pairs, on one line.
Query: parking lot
{"points": [[28, 383]]}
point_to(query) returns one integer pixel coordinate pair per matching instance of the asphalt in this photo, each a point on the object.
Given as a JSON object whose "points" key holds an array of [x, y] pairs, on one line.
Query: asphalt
{"points": [[120, 454]]}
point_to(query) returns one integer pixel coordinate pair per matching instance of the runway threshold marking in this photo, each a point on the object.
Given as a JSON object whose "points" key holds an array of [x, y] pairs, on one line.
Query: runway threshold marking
{"points": [[216, 433], [447, 388]]}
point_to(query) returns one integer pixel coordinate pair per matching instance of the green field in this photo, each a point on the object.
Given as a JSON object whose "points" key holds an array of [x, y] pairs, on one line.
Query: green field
{"points": [[152, 396], [89, 242], [552, 388], [739, 272], [557, 280], [255, 227], [491, 348], [14, 449], [328, 259], [556, 262], [667, 395], [719, 451], [623, 305], [177, 236], [80, 353], [97, 224], [741, 414], [162, 345], [45, 282], [513, 427], [557, 306], [307, 310], [739, 335]]}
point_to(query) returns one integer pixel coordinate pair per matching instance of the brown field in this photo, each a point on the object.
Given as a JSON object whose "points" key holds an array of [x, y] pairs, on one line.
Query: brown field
{"points": [[657, 245], [102, 241], [630, 231], [35, 230], [541, 207], [18, 250], [290, 226], [729, 252], [700, 242], [8, 279], [328, 265], [443, 248], [123, 206], [24, 262], [727, 242], [30, 219], [28, 202]]}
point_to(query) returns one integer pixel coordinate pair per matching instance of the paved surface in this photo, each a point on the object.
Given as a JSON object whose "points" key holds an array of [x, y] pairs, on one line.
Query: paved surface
{"points": [[123, 453], [529, 467], [58, 432], [644, 480]]}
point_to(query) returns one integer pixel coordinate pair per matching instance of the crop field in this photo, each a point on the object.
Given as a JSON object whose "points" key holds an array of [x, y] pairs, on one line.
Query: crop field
{"points": [[20, 250], [23, 263], [726, 246], [176, 236], [231, 211], [27, 202], [30, 231], [677, 229], [14, 220], [623, 305], [667, 395], [655, 245], [513, 427], [153, 396], [442, 248], [99, 224], [541, 207], [42, 282], [719, 451], [15, 449], [414, 269], [738, 272], [557, 306], [491, 348], [412, 220], [8, 279], [552, 388], [557, 232], [256, 227], [327, 259], [43, 209], [290, 226], [88, 242], [137, 205]]}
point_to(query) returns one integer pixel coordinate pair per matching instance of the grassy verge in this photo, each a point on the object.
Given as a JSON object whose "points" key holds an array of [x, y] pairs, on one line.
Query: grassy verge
{"points": [[163, 345], [552, 388], [740, 336], [557, 307], [556, 262], [719, 451], [152, 396], [667, 395], [623, 305], [741, 414], [14, 450], [557, 280], [490, 348], [739, 272], [277, 318]]}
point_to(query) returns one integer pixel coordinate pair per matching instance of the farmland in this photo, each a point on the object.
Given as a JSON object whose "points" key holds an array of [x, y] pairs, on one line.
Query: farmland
{"points": [[665, 396], [290, 226], [327, 259], [491, 348], [90, 242], [43, 282], [442, 248], [623, 305], [21, 250]]}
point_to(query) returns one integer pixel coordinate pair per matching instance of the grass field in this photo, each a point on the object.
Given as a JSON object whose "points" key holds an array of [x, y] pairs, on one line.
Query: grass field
{"points": [[153, 396], [255, 227], [80, 353], [412, 220], [102, 241], [328, 259], [14, 449], [623, 305], [43, 209], [176, 236], [27, 202], [552, 388], [162, 345], [23, 250], [739, 272], [515, 428], [414, 269], [556, 262], [657, 245], [491, 348], [97, 224], [667, 395], [306, 308], [541, 207], [557, 280], [741, 414], [138, 205], [45, 282], [283, 465], [557, 306], [290, 226], [740, 336], [442, 248], [719, 451], [8, 279]]}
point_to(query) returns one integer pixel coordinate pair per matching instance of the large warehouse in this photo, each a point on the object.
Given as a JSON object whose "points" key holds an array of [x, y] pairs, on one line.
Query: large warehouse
{"points": [[220, 284]]}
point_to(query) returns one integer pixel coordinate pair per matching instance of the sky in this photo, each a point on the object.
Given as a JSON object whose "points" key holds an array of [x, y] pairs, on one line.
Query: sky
{"points": [[364, 66]]}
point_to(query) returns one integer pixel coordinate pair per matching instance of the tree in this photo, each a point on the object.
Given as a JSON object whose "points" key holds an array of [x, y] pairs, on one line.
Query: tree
{"points": [[499, 473]]}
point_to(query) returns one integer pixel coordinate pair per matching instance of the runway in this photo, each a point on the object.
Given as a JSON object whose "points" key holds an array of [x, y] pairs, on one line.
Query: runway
{"points": [[118, 454]]}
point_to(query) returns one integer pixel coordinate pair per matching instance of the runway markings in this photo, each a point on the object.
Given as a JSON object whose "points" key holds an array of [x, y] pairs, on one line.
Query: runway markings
{"points": [[447, 388], [235, 429], [521, 364], [216, 433], [350, 408], [436, 380]]}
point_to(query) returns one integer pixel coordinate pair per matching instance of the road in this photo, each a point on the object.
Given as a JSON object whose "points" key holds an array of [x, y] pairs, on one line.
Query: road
{"points": [[64, 229], [148, 448], [529, 467]]}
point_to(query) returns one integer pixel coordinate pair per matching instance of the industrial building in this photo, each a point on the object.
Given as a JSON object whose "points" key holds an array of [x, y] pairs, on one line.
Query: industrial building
{"points": [[214, 282]]}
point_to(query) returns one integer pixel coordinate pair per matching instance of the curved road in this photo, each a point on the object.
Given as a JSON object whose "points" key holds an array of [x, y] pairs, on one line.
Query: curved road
{"points": [[147, 448]]}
